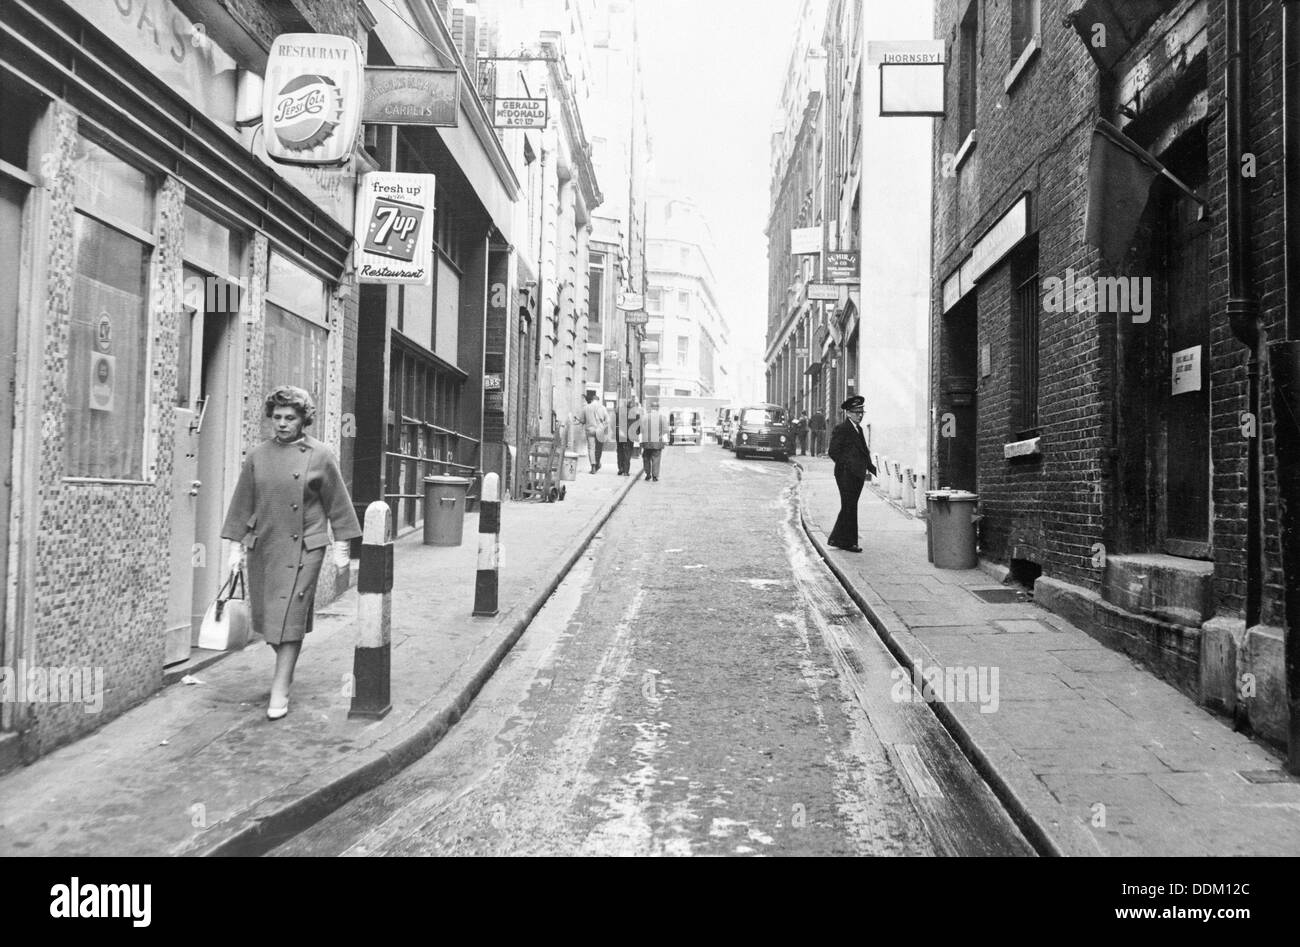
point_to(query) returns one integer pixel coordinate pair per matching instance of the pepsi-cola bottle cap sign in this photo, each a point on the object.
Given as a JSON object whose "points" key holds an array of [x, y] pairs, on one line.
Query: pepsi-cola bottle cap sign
{"points": [[311, 106]]}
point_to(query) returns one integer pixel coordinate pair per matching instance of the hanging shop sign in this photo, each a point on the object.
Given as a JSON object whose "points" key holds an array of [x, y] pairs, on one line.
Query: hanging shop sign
{"points": [[648, 347], [395, 228], [311, 101], [519, 113], [825, 292], [911, 76], [638, 318], [805, 240], [401, 95], [629, 302], [842, 266]]}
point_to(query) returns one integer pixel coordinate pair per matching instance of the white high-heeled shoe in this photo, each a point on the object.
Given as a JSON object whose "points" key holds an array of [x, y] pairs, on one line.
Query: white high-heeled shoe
{"points": [[275, 713]]}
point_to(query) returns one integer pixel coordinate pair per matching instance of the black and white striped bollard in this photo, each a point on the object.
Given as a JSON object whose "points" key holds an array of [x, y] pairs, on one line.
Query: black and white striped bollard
{"points": [[372, 661], [489, 547]]}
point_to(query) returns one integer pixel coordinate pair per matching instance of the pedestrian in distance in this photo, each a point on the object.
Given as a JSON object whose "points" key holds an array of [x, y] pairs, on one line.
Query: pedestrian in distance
{"points": [[627, 413], [654, 435], [595, 421], [852, 455], [289, 490], [800, 428], [817, 431]]}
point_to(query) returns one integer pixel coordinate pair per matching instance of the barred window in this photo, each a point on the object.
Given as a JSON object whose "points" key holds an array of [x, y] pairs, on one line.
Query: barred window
{"points": [[1026, 306]]}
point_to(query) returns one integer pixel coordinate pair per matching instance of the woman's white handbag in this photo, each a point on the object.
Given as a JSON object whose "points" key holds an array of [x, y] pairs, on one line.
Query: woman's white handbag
{"points": [[226, 623]]}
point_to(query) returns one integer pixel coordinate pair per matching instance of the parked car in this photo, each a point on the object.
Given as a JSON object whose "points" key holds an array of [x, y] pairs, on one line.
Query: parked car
{"points": [[763, 429], [684, 427]]}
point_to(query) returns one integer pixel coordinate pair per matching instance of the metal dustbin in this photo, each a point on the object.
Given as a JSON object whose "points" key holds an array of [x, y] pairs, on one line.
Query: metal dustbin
{"points": [[444, 510], [950, 528], [569, 469]]}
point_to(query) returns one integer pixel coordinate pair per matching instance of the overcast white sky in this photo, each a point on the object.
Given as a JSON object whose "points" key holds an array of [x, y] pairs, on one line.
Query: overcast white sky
{"points": [[713, 72]]}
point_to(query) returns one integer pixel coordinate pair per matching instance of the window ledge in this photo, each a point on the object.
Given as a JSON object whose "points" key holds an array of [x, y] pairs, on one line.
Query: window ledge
{"points": [[964, 151], [1032, 447], [1026, 57]]}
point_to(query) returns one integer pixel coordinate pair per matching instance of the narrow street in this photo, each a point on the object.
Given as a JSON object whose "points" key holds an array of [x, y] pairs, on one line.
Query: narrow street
{"points": [[699, 684]]}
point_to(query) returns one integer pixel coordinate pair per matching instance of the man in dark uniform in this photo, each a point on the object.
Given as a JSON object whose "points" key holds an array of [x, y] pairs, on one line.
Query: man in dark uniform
{"points": [[852, 464]]}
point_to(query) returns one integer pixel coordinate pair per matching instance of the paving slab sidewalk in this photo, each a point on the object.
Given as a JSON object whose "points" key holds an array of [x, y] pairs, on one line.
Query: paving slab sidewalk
{"points": [[199, 770], [1094, 754]]}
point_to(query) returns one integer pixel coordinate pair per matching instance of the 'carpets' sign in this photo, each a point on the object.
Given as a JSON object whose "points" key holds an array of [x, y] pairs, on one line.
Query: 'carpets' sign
{"points": [[395, 228], [311, 101]]}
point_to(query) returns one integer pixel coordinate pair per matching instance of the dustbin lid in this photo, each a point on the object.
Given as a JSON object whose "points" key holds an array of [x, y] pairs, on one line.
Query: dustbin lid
{"points": [[456, 481], [951, 495]]}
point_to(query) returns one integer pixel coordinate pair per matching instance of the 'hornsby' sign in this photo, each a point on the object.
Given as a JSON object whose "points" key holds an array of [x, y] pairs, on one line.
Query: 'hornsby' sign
{"points": [[311, 104], [395, 228]]}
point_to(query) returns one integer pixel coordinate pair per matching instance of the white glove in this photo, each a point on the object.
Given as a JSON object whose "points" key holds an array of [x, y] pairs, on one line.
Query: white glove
{"points": [[342, 553], [237, 557]]}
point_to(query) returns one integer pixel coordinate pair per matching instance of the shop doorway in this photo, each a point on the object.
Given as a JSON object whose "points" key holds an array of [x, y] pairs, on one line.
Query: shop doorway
{"points": [[202, 455], [1165, 503], [958, 408]]}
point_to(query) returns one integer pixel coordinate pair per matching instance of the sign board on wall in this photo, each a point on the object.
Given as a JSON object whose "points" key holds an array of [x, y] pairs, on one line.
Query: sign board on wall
{"points": [[402, 95], [629, 302], [1186, 365], [649, 347], [311, 99], [825, 292], [395, 228], [998, 240], [805, 240], [636, 318], [519, 113]]}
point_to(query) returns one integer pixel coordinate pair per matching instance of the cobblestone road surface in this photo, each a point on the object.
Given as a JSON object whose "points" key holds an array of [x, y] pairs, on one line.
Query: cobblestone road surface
{"points": [[699, 685]]}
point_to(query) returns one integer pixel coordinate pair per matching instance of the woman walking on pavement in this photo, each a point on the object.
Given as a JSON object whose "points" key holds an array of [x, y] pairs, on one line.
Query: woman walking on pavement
{"points": [[852, 456], [289, 489]]}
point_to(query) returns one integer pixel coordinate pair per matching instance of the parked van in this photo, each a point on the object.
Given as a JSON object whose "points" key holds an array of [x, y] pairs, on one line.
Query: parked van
{"points": [[763, 429]]}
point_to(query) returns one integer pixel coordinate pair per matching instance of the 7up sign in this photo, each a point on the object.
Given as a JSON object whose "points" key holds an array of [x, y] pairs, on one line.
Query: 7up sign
{"points": [[395, 228]]}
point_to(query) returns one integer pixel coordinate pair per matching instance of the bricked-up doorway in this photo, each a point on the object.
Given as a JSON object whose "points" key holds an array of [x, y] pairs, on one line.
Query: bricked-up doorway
{"points": [[1164, 435], [959, 349]]}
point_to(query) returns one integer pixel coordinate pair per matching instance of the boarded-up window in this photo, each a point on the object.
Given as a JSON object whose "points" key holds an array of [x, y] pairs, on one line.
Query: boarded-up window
{"points": [[446, 333]]}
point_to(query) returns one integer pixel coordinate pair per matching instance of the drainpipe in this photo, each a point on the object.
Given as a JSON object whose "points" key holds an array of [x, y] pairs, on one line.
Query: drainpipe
{"points": [[1284, 369], [1243, 308]]}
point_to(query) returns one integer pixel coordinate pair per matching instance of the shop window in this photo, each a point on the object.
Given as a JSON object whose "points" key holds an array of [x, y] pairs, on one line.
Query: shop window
{"points": [[108, 336], [296, 349]]}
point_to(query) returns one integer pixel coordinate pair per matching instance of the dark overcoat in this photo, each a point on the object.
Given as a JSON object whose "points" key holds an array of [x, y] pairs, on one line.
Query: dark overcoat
{"points": [[852, 464], [286, 495]]}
